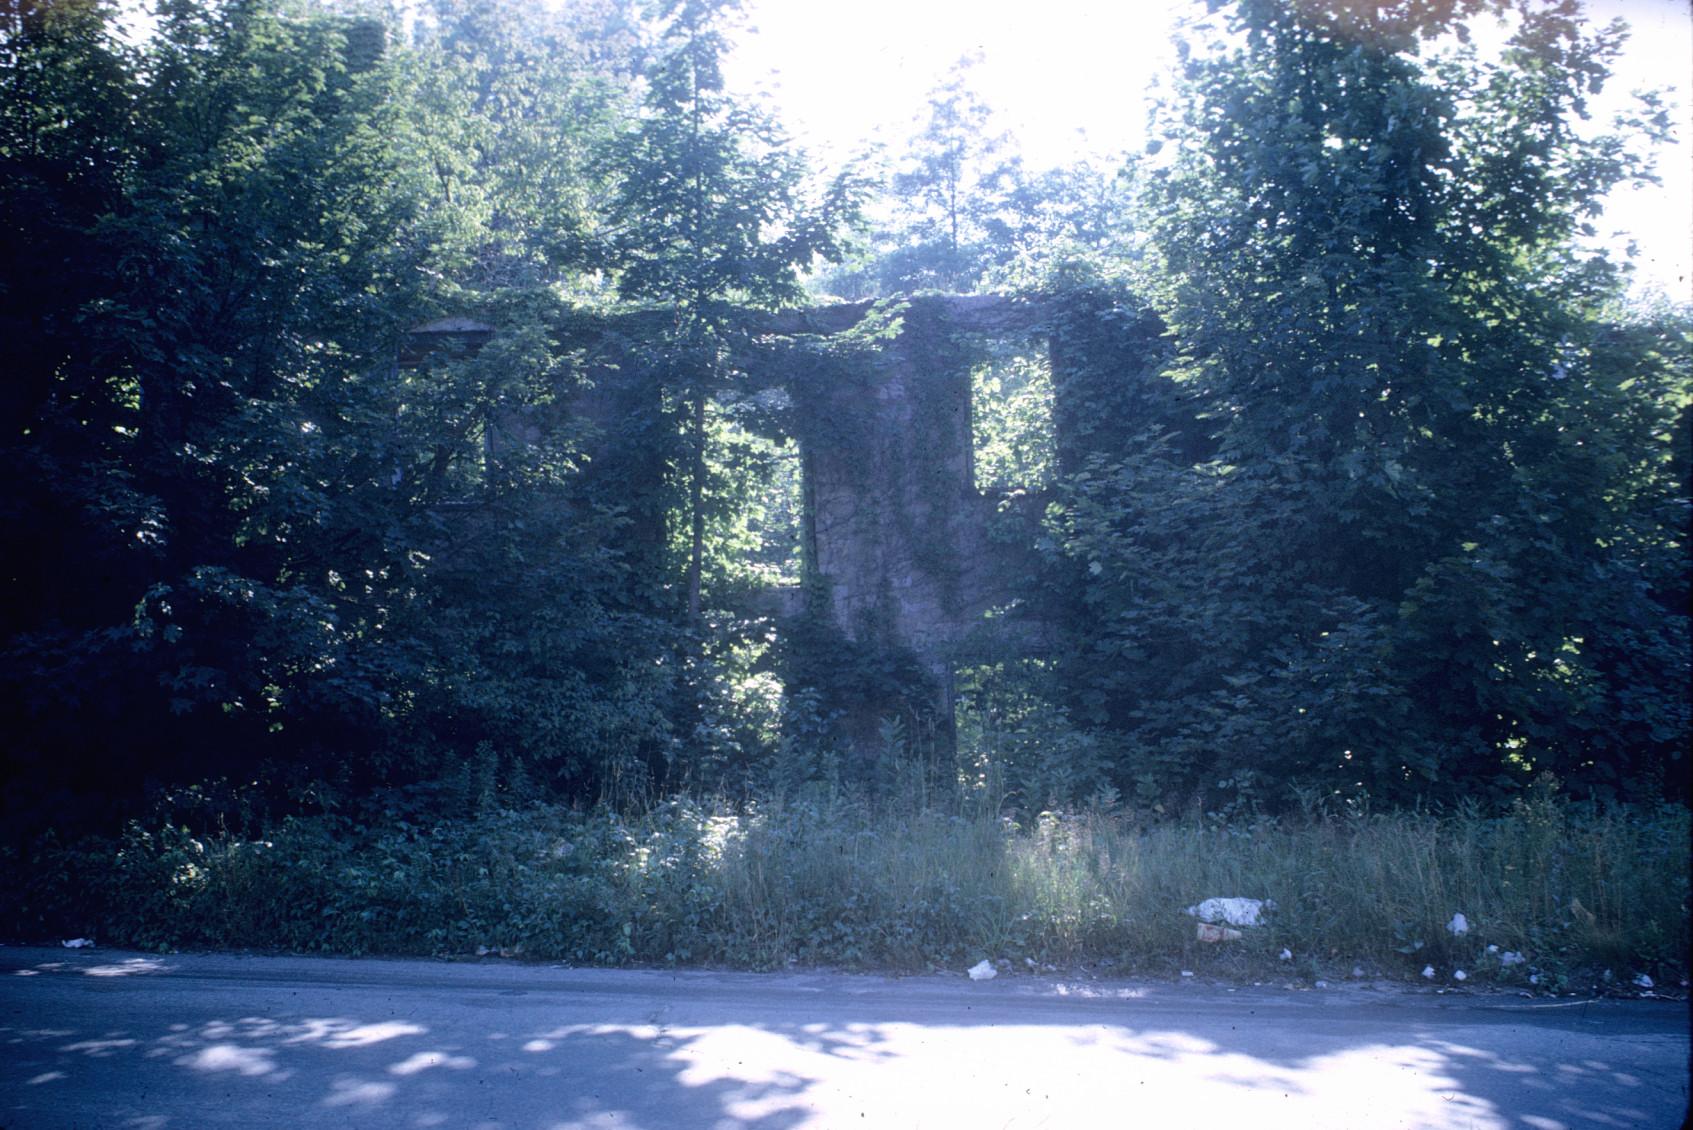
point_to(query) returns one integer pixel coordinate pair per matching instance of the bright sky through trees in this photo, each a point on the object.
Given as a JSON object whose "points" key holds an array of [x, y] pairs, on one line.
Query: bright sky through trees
{"points": [[1070, 78]]}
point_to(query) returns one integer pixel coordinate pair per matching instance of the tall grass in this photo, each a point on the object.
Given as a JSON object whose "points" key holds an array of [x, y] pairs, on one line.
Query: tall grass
{"points": [[829, 881]]}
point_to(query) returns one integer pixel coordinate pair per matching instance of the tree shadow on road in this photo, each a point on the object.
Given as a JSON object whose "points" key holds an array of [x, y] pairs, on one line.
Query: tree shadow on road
{"points": [[92, 1064], [552, 1050]]}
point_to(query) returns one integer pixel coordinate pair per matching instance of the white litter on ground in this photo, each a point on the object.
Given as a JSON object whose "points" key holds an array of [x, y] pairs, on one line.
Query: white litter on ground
{"points": [[1460, 975], [1643, 981], [1287, 955], [1428, 971], [1459, 926], [983, 971], [76, 943], [1233, 912]]}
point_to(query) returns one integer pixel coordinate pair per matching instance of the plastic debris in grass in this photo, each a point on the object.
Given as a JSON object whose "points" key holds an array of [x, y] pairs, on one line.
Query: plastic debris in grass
{"points": [[1232, 911], [983, 971], [1507, 958], [1643, 982], [1459, 926], [77, 943]]}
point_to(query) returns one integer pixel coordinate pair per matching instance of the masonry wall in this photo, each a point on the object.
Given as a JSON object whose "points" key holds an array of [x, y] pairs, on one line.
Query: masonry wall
{"points": [[909, 553], [903, 554]]}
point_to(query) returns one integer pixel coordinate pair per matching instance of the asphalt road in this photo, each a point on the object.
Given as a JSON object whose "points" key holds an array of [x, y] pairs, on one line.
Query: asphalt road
{"points": [[105, 1039]]}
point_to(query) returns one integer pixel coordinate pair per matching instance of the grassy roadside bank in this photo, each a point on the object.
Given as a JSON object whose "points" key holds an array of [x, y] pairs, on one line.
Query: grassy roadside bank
{"points": [[1575, 891]]}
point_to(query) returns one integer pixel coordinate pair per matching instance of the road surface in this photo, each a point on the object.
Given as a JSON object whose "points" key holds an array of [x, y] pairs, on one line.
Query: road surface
{"points": [[103, 1039]]}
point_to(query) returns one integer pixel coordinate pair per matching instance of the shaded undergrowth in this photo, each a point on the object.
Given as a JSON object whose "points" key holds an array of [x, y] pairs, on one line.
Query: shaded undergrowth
{"points": [[830, 881]]}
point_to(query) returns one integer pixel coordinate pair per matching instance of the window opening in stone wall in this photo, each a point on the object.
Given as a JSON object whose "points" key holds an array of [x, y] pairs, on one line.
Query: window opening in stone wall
{"points": [[1011, 419], [754, 506]]}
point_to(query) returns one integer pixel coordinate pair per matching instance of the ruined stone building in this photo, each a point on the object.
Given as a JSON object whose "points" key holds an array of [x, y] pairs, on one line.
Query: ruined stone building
{"points": [[903, 551]]}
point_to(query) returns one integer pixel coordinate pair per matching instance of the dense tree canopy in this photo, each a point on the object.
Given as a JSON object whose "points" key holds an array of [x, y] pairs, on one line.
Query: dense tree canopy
{"points": [[1438, 539], [1397, 506], [241, 542]]}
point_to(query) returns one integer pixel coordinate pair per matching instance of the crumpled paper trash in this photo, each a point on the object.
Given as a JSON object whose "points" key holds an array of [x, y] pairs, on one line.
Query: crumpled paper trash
{"points": [[983, 971]]}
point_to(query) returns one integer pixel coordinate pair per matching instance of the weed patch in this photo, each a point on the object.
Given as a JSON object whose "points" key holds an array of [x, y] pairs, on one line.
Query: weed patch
{"points": [[1573, 891]]}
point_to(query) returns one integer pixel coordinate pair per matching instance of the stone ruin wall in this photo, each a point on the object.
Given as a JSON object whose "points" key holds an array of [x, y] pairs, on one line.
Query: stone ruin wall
{"points": [[906, 553], [902, 540]]}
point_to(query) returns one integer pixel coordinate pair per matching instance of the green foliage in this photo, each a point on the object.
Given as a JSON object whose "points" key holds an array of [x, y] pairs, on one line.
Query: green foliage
{"points": [[712, 209], [244, 542], [953, 164], [1384, 497], [515, 105], [753, 506], [1017, 749], [1430, 537], [961, 212], [197, 371], [710, 193], [1575, 890], [1012, 439]]}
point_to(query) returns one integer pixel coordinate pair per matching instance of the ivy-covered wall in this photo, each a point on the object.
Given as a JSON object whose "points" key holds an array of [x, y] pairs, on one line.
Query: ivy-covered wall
{"points": [[908, 566]]}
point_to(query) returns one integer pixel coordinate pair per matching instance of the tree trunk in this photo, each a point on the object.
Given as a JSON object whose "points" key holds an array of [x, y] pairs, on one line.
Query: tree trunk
{"points": [[696, 507]]}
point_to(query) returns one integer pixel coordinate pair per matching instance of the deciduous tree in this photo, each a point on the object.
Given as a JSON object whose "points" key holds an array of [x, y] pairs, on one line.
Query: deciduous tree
{"points": [[1436, 543]]}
